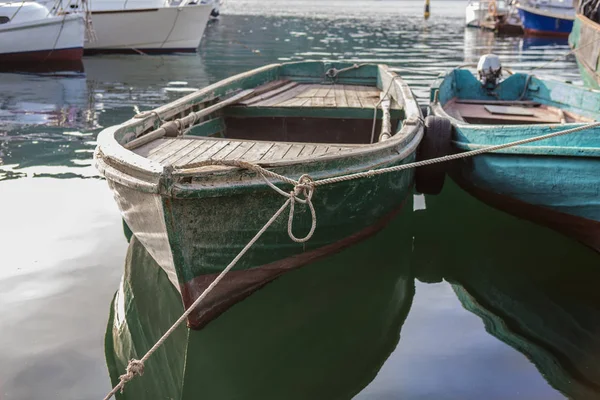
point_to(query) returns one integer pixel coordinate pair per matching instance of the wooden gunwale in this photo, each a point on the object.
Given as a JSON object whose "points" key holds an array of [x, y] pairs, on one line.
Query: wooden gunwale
{"points": [[117, 162]]}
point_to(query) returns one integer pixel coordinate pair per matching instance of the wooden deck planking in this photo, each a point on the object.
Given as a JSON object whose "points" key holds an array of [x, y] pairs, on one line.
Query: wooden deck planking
{"points": [[307, 150], [317, 102], [167, 151], [310, 90], [340, 96], [295, 102], [317, 95], [323, 90], [240, 151], [352, 97], [206, 155], [279, 98], [198, 151], [152, 147], [188, 149], [277, 151], [258, 151], [270, 94], [329, 102], [294, 151], [320, 150], [226, 150]]}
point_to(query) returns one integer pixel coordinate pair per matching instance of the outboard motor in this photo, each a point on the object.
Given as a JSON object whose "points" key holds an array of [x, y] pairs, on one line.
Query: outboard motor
{"points": [[489, 70]]}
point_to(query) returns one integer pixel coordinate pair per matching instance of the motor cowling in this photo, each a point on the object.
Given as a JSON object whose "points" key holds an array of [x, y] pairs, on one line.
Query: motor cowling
{"points": [[489, 70]]}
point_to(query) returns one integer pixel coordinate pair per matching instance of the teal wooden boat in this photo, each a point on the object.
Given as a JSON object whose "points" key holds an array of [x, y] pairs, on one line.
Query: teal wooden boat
{"points": [[583, 39], [555, 181], [312, 118], [308, 335]]}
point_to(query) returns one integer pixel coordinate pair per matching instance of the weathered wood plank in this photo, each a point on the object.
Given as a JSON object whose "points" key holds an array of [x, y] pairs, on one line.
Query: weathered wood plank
{"points": [[319, 150], [295, 102], [317, 101], [352, 97], [198, 151], [165, 152], [277, 151], [257, 151], [340, 96], [226, 150], [188, 149], [293, 152], [239, 152], [210, 152], [310, 90], [329, 102], [293, 92], [270, 94], [307, 150], [280, 97], [323, 91]]}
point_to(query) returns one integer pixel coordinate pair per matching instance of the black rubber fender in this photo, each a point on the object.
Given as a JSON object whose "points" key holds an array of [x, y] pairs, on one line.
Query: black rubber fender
{"points": [[436, 143]]}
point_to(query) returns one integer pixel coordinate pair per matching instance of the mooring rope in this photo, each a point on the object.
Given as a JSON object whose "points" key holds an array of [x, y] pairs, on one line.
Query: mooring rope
{"points": [[304, 186]]}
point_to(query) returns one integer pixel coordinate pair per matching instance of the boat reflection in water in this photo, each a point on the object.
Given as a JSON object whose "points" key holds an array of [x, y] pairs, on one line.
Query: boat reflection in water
{"points": [[533, 289], [321, 331]]}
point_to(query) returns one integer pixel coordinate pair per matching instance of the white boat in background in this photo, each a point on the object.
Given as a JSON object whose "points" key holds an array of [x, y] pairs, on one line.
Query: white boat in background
{"points": [[146, 26], [32, 34], [478, 10]]}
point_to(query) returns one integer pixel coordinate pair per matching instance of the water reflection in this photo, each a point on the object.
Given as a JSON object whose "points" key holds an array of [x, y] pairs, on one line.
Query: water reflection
{"points": [[322, 331], [533, 289]]}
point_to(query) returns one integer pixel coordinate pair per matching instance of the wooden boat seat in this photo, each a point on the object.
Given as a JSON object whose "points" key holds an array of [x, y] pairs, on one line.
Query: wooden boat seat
{"points": [[507, 112], [183, 151], [294, 99]]}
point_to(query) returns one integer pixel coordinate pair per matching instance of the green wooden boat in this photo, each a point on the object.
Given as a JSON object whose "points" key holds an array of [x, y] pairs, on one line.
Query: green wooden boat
{"points": [[316, 118]]}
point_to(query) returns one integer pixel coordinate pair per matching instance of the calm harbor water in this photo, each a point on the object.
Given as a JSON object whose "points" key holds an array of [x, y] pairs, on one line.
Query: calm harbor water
{"points": [[483, 305]]}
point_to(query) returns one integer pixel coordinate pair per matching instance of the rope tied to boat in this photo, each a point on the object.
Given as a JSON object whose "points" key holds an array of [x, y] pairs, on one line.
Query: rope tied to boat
{"points": [[303, 191]]}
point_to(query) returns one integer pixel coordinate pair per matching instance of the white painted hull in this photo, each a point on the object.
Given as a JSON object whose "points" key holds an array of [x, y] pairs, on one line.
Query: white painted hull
{"points": [[478, 10], [56, 36], [160, 29]]}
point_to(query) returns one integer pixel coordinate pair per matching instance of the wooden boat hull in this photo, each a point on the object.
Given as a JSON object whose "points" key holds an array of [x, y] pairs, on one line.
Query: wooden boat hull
{"points": [[584, 33], [553, 182], [198, 237], [301, 316], [195, 223]]}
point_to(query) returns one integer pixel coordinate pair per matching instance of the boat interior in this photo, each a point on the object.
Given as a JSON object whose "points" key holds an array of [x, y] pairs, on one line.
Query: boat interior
{"points": [[518, 100], [508, 112], [282, 120]]}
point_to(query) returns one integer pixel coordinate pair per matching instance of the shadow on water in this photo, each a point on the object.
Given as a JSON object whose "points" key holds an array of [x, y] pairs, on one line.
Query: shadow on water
{"points": [[534, 289]]}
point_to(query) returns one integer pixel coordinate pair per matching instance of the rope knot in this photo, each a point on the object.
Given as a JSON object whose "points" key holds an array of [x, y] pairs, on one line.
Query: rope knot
{"points": [[135, 367], [305, 187]]}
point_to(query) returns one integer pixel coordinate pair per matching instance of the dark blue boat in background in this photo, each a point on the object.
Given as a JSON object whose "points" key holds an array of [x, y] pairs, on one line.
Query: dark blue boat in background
{"points": [[549, 19]]}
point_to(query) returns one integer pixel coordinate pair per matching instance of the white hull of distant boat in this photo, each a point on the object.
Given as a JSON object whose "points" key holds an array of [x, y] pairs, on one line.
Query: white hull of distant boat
{"points": [[151, 30], [477, 11], [31, 33]]}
